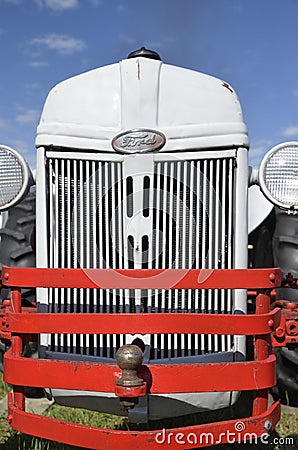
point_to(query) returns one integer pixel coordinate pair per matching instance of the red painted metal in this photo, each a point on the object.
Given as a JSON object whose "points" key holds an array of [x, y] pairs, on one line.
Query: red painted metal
{"points": [[174, 438], [287, 331], [143, 278], [161, 378], [260, 402], [16, 350], [257, 375], [131, 391], [4, 334], [71, 323]]}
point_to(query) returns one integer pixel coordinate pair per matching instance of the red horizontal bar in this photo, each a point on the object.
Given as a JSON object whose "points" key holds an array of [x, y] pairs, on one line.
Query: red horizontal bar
{"points": [[81, 323], [163, 378], [142, 278], [103, 439]]}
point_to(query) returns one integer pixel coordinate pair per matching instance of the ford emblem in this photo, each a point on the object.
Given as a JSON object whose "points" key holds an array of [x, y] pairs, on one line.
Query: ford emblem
{"points": [[139, 141]]}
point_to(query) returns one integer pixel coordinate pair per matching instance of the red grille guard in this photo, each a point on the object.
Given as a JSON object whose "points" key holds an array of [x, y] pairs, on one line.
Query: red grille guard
{"points": [[257, 375]]}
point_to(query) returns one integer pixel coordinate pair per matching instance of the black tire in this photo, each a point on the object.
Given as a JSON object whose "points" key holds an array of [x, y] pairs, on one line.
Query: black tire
{"points": [[15, 244], [286, 389], [16, 250], [285, 250], [261, 254], [285, 253]]}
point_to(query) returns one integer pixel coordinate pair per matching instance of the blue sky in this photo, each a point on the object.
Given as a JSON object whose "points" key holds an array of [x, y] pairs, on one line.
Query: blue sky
{"points": [[251, 44]]}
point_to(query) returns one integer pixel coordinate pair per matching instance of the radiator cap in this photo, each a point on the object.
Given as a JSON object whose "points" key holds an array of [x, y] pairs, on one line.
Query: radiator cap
{"points": [[144, 53]]}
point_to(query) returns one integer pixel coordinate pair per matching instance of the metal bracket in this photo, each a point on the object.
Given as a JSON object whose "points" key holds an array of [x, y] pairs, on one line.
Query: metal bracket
{"points": [[287, 331]]}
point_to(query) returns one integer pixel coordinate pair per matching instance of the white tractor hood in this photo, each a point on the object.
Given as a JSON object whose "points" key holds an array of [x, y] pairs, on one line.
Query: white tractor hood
{"points": [[191, 109]]}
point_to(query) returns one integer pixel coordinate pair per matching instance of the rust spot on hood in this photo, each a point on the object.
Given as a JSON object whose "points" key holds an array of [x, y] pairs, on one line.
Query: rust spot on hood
{"points": [[227, 86]]}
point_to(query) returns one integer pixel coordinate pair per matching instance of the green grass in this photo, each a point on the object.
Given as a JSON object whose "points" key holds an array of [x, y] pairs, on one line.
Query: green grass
{"points": [[4, 387], [288, 426], [12, 440], [85, 417]]}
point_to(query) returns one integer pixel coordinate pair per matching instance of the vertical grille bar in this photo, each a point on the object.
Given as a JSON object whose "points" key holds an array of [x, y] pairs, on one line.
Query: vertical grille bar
{"points": [[184, 238], [94, 247], [204, 239], [81, 242], [172, 199], [120, 241], [216, 243], [164, 250], [57, 299], [112, 223], [223, 243], [52, 234], [177, 241], [100, 187], [230, 238], [157, 251], [107, 292], [87, 200], [211, 242], [198, 307], [191, 244]]}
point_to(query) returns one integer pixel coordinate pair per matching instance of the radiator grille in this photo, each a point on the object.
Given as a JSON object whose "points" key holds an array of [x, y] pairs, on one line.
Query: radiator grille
{"points": [[179, 215]]}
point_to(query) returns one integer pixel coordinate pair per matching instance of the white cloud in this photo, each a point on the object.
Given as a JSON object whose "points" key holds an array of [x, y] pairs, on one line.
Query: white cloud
{"points": [[236, 7], [95, 3], [26, 150], [153, 44], [28, 116], [295, 92], [38, 64], [258, 150], [19, 145], [120, 8], [13, 2], [3, 123], [127, 39], [62, 5], [256, 153], [65, 45], [291, 131], [58, 5], [33, 85]]}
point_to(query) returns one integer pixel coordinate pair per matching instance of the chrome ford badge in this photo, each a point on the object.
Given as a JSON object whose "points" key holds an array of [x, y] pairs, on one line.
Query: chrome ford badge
{"points": [[139, 141]]}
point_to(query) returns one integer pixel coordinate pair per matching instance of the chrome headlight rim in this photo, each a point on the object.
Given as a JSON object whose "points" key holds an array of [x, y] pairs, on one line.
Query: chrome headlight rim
{"points": [[261, 177], [27, 178]]}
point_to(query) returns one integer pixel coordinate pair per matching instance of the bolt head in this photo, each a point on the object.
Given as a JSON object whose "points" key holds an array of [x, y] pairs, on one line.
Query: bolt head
{"points": [[272, 277], [279, 332], [268, 425], [6, 303]]}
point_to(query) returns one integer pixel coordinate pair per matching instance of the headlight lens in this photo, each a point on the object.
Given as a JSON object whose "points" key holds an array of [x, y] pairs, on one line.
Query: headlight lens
{"points": [[278, 175], [15, 177]]}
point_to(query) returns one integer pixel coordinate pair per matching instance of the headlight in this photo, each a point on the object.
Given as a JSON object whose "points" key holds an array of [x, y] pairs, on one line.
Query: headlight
{"points": [[278, 175], [15, 177]]}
